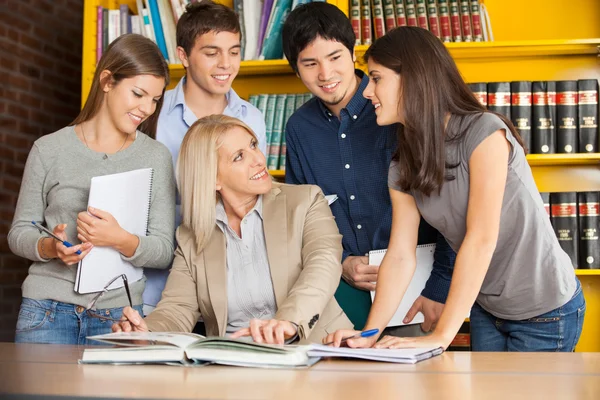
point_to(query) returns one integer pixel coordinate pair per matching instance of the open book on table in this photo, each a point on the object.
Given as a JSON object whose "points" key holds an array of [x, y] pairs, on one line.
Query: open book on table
{"points": [[400, 356], [189, 348]]}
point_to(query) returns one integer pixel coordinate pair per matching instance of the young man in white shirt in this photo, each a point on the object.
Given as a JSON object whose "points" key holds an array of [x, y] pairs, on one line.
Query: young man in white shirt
{"points": [[209, 47]]}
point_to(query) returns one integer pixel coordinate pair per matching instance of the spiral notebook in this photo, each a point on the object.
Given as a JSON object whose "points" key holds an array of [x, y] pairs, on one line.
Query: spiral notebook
{"points": [[416, 285], [127, 197]]}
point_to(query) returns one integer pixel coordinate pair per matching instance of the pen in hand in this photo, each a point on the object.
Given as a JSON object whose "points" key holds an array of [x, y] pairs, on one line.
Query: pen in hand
{"points": [[363, 334], [49, 232]]}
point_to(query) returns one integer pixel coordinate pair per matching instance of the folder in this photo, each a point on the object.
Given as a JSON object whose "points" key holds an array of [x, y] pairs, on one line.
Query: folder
{"points": [[126, 196]]}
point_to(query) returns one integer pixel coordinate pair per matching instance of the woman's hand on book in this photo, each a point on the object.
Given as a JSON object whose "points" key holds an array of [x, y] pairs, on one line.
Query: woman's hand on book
{"points": [[131, 321], [271, 331], [342, 336], [393, 342]]}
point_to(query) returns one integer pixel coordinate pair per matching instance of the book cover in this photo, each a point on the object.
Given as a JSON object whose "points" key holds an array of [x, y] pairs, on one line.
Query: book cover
{"points": [[421, 12], [499, 97], [400, 13], [99, 34], [290, 107], [264, 21], [378, 20], [589, 225], [551, 99], [432, 18], [355, 20], [157, 26], [479, 90], [476, 21], [444, 16], [542, 129], [564, 222], [455, 21], [411, 13], [588, 115], [269, 119], [465, 21], [521, 108], [566, 117], [276, 133], [272, 44]]}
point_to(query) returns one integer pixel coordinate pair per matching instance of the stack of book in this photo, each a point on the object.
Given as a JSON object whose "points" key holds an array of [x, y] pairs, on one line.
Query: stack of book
{"points": [[277, 109], [449, 20], [575, 218], [551, 116], [261, 23]]}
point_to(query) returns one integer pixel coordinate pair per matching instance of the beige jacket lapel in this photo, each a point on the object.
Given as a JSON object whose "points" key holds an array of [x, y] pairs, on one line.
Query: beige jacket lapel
{"points": [[275, 228], [215, 264]]}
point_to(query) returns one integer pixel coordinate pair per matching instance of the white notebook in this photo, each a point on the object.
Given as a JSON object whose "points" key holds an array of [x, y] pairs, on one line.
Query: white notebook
{"points": [[401, 356], [416, 286], [127, 197]]}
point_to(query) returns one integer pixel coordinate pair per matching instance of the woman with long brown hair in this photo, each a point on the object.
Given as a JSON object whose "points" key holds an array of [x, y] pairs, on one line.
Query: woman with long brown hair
{"points": [[464, 170], [112, 134]]}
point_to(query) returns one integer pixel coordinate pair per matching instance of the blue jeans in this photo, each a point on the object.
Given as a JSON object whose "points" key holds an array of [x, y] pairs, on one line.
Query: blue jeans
{"points": [[557, 330], [48, 321]]}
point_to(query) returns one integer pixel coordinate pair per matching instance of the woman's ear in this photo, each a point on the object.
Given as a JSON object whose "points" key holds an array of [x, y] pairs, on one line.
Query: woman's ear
{"points": [[106, 80]]}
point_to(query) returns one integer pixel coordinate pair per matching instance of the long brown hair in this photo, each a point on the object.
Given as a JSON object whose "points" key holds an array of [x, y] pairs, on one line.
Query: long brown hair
{"points": [[431, 88], [127, 56]]}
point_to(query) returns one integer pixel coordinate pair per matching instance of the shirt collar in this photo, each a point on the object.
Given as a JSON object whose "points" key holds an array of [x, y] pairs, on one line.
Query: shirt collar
{"points": [[179, 97], [222, 216], [357, 102]]}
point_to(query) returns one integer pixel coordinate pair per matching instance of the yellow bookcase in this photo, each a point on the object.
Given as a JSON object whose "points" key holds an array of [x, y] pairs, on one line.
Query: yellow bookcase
{"points": [[534, 40]]}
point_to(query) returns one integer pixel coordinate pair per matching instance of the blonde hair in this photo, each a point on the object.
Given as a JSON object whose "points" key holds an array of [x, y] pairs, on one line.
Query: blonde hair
{"points": [[197, 173]]}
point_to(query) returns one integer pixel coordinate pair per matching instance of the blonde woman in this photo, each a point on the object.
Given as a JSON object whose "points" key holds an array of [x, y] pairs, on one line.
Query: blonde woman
{"points": [[112, 134], [254, 258]]}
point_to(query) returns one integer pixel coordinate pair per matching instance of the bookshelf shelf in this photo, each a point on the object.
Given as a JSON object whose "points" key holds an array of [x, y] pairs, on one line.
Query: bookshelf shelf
{"points": [[277, 173], [587, 272], [248, 68], [563, 159]]}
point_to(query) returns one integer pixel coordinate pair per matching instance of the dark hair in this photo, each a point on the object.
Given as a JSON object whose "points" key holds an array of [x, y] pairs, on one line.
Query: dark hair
{"points": [[431, 87], [127, 56], [202, 17], [310, 20]]}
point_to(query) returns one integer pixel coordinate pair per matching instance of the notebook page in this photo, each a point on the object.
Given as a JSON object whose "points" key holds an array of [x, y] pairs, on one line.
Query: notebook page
{"points": [[416, 286], [127, 197]]}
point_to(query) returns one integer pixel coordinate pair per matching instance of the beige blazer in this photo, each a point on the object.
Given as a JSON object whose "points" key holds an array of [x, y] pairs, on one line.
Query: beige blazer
{"points": [[304, 251]]}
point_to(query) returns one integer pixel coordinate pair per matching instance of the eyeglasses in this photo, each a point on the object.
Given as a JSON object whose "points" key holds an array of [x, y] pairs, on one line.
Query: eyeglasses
{"points": [[90, 306]]}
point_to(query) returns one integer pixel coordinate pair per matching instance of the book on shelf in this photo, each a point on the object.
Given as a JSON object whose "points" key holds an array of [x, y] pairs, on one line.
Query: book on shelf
{"points": [[520, 109], [476, 21], [400, 13], [388, 15], [421, 13], [566, 117], [499, 98], [588, 115], [190, 349], [365, 22], [432, 18], [355, 20], [465, 20], [444, 16], [589, 227], [377, 16], [542, 125], [563, 213], [454, 11], [411, 13], [479, 90]]}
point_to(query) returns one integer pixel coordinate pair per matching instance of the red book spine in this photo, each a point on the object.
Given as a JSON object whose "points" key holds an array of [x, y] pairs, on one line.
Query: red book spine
{"points": [[476, 21], [411, 13], [400, 13], [465, 20], [444, 20], [432, 17], [388, 15], [455, 21], [421, 14], [355, 20], [365, 22], [378, 21]]}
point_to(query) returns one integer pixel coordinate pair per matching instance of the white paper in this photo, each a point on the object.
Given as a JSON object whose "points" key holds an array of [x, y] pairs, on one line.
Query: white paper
{"points": [[416, 286]]}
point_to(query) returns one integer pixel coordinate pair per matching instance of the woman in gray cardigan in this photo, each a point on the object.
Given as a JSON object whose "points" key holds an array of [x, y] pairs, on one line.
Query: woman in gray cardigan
{"points": [[109, 136]]}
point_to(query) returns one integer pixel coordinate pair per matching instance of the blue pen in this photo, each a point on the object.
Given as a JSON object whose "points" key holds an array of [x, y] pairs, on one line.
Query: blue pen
{"points": [[45, 230], [363, 334]]}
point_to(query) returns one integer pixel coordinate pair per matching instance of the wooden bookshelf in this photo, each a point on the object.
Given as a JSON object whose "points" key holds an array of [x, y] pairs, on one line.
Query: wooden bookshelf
{"points": [[534, 40]]}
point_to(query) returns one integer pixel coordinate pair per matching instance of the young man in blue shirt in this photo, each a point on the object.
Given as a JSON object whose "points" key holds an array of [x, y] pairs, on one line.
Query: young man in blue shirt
{"points": [[333, 141], [208, 45]]}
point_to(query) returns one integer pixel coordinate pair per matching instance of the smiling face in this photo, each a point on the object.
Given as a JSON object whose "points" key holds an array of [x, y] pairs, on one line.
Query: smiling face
{"points": [[384, 92], [326, 68], [132, 100], [213, 62], [241, 169]]}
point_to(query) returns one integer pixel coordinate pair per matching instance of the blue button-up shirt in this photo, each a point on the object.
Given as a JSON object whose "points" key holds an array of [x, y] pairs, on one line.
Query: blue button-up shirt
{"points": [[350, 156], [174, 121]]}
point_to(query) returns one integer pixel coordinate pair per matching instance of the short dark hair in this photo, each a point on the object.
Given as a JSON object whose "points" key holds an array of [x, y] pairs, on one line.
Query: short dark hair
{"points": [[202, 17], [308, 21]]}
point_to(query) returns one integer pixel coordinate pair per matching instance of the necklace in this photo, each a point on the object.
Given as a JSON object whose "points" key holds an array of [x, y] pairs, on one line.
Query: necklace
{"points": [[105, 156]]}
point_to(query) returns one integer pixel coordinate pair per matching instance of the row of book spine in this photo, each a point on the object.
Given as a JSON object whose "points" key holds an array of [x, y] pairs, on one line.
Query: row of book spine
{"points": [[575, 218], [551, 116], [277, 109], [449, 20]]}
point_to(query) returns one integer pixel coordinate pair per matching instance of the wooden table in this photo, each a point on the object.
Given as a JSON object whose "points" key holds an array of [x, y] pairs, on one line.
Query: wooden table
{"points": [[52, 370]]}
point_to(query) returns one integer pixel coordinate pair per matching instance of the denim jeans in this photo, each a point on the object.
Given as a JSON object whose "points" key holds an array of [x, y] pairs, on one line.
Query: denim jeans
{"points": [[557, 330], [48, 321]]}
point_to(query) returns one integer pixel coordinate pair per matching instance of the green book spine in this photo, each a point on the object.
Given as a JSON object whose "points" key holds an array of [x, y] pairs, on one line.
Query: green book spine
{"points": [[253, 100], [299, 100], [290, 107], [269, 118], [275, 142]]}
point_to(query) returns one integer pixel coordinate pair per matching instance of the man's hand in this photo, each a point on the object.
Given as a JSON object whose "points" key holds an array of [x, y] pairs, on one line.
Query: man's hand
{"points": [[131, 321], [358, 273], [271, 331], [432, 310]]}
